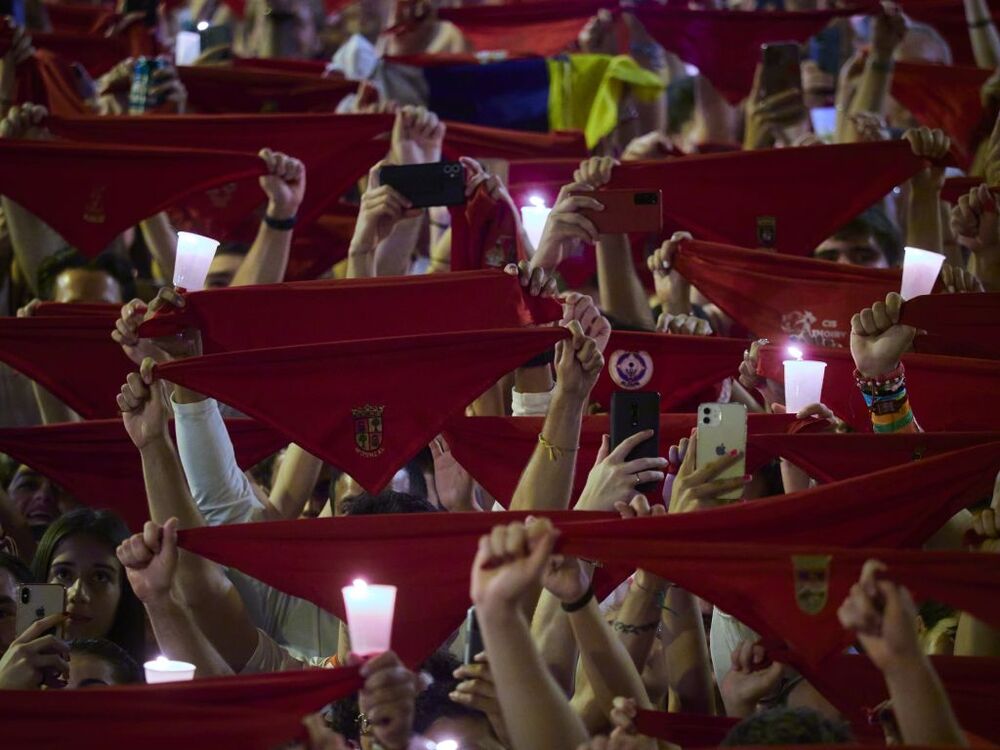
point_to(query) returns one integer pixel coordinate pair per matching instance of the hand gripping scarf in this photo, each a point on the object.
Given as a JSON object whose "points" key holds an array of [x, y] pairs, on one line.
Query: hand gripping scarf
{"points": [[111, 189], [50, 80], [776, 296], [962, 325], [725, 44], [948, 18], [955, 187], [221, 90], [685, 730], [41, 346], [367, 406], [679, 367], [258, 712], [541, 27], [495, 450], [946, 97], [270, 315], [428, 556], [791, 199], [96, 462], [938, 387], [485, 233], [98, 54]]}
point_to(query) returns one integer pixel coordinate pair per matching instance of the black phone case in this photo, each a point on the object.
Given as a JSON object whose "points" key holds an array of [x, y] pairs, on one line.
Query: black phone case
{"points": [[473, 638], [632, 412], [425, 185]]}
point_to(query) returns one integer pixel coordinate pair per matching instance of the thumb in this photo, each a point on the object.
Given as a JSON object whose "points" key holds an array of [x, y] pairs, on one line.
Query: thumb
{"points": [[576, 330], [169, 546], [146, 370], [544, 544]]}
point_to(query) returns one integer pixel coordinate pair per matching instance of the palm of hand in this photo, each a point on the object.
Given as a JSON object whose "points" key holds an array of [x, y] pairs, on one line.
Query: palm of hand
{"points": [[876, 355]]}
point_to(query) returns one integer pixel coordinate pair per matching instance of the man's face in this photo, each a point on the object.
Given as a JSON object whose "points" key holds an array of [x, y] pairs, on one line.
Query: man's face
{"points": [[856, 251], [83, 285], [88, 670], [8, 609], [222, 270], [34, 497]]}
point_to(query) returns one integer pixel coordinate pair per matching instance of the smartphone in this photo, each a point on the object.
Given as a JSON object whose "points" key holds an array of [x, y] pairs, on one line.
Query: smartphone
{"points": [[438, 184], [216, 36], [782, 65], [473, 638], [625, 210], [143, 6], [632, 412], [38, 600], [722, 428]]}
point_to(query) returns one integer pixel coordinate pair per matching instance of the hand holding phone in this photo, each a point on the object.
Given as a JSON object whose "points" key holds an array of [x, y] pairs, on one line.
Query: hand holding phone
{"points": [[425, 185], [625, 210], [37, 601], [633, 412], [473, 637], [781, 68], [722, 434]]}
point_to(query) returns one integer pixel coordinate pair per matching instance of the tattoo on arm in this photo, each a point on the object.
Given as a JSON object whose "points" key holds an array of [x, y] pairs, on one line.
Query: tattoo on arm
{"points": [[628, 629]]}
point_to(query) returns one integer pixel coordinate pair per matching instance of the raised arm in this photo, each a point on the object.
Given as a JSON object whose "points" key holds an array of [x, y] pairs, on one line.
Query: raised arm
{"points": [[873, 88], [923, 220], [982, 34], [382, 208], [974, 637], [974, 222]]}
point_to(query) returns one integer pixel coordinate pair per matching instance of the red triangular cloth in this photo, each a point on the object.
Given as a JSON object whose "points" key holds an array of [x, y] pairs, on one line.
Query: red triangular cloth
{"points": [[101, 200], [50, 80], [938, 386], [685, 730], [365, 406], [962, 325], [223, 89], [97, 53], [771, 192], [485, 233], [258, 712], [96, 462], [541, 27], [945, 97], [725, 44], [270, 315], [495, 450]]}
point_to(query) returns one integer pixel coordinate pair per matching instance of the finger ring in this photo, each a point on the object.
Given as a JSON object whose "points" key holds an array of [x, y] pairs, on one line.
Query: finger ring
{"points": [[636, 477]]}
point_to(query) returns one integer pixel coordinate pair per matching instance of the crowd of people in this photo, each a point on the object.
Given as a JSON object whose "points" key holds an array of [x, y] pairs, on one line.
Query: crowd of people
{"points": [[397, 358]]}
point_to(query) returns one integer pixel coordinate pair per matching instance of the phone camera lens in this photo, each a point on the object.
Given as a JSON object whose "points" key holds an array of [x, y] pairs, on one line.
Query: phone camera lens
{"points": [[707, 410], [706, 420], [25, 595]]}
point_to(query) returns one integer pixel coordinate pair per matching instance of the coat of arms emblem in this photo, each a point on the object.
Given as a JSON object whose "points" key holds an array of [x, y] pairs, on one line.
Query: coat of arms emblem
{"points": [[368, 429]]}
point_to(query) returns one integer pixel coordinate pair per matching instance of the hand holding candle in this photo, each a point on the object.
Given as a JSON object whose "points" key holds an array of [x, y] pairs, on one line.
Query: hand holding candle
{"points": [[920, 271], [803, 381], [194, 256], [369, 616]]}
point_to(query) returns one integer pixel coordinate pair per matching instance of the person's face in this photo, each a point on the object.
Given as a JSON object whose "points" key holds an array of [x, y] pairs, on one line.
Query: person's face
{"points": [[468, 732], [8, 609], [855, 251], [83, 285], [88, 670], [222, 270], [34, 497], [92, 576]]}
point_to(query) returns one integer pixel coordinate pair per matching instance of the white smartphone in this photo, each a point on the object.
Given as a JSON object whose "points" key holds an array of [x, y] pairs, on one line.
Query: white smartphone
{"points": [[722, 428], [38, 600]]}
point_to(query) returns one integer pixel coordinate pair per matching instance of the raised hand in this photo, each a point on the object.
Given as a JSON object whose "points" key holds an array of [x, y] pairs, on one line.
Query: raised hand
{"points": [[595, 171], [567, 578], [578, 363], [694, 489], [185, 344], [150, 560], [974, 221], [749, 681], [382, 207], [476, 690], [537, 281], [388, 699], [168, 89], [284, 184], [932, 145], [878, 339], [417, 136], [684, 325], [510, 562], [583, 309], [613, 479], [566, 226], [652, 145], [672, 290], [768, 117], [598, 35], [957, 280], [888, 33], [141, 405], [34, 659], [24, 121]]}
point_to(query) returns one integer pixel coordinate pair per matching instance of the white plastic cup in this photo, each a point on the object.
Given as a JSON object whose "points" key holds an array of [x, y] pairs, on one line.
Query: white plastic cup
{"points": [[163, 669], [194, 256], [187, 47], [920, 271], [533, 218], [803, 384], [370, 610]]}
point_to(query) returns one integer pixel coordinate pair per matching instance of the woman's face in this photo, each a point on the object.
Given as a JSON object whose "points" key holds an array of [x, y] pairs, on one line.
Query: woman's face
{"points": [[92, 576]]}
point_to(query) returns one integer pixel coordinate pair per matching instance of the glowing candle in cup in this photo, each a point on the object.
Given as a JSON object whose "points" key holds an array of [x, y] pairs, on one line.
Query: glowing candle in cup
{"points": [[369, 616], [163, 669], [534, 217], [803, 381], [920, 271], [194, 256]]}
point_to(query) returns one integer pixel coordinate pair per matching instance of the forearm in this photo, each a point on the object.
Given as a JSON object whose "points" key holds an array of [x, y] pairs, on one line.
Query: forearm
{"points": [[539, 718], [975, 638], [552, 635], [268, 258], [889, 404], [982, 34], [547, 480], [179, 638], [532, 393], [360, 263], [987, 268], [793, 479], [921, 705], [639, 617], [161, 239], [393, 254], [33, 240], [685, 649], [923, 222], [52, 410], [296, 479], [873, 89], [621, 290]]}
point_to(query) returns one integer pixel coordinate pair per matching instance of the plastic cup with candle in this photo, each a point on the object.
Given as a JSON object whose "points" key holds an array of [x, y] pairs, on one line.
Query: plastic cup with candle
{"points": [[194, 256], [534, 217], [162, 669], [187, 47], [920, 271], [369, 616], [803, 381]]}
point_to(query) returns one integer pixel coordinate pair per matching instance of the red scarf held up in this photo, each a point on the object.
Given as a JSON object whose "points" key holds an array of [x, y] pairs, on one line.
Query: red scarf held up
{"points": [[270, 315], [955, 187], [541, 27], [41, 346], [96, 462], [104, 198], [962, 325], [481, 141], [98, 54], [945, 97], [725, 45], [776, 296], [948, 18], [938, 387], [495, 450], [798, 196], [365, 406], [50, 80], [223, 89], [257, 712], [679, 367], [314, 560], [485, 233]]}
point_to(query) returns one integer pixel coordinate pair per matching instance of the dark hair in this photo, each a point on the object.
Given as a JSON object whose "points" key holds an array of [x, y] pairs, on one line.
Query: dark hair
{"points": [[16, 567], [129, 627], [387, 501], [434, 703], [788, 726], [66, 259], [874, 222], [124, 669]]}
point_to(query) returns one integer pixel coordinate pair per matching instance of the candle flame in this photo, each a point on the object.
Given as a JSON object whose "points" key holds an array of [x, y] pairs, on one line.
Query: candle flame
{"points": [[446, 745], [538, 202], [360, 584], [161, 659], [795, 352], [202, 25]]}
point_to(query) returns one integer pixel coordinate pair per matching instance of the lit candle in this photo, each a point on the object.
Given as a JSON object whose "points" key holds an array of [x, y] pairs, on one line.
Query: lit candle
{"points": [[187, 47], [163, 669], [534, 217], [369, 616], [803, 381], [447, 745], [194, 256], [920, 271]]}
